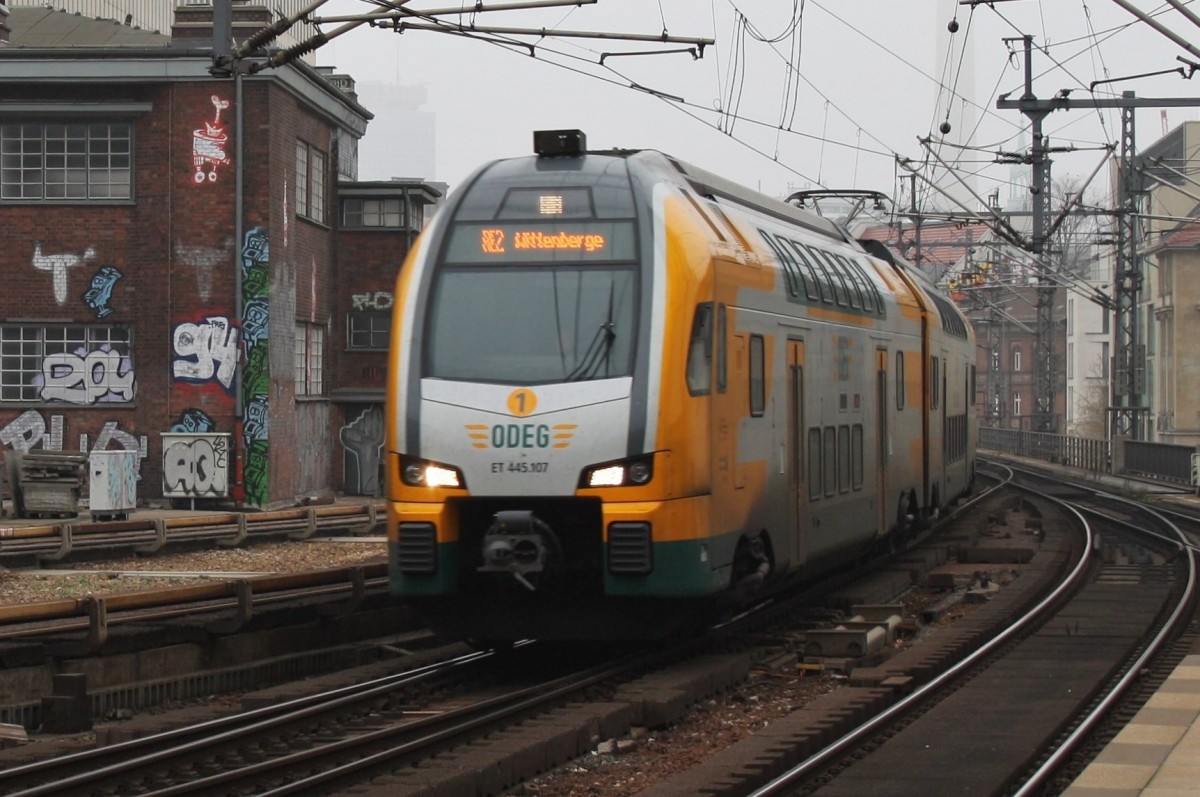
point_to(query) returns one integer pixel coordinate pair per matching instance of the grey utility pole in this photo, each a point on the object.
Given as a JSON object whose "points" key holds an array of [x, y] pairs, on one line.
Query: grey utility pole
{"points": [[1128, 409]]}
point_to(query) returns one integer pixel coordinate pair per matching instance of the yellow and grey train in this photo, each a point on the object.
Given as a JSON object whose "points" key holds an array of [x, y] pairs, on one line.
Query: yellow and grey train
{"points": [[623, 390]]}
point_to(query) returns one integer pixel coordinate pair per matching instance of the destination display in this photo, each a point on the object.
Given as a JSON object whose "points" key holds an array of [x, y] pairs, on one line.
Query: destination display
{"points": [[541, 242]]}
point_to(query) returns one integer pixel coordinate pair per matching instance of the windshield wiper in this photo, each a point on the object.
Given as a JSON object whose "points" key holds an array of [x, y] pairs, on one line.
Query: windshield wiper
{"points": [[599, 347], [596, 355]]}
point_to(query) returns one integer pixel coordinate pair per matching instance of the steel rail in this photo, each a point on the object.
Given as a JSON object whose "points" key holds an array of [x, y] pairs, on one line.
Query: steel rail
{"points": [[432, 731], [928, 691], [224, 729], [1170, 627]]}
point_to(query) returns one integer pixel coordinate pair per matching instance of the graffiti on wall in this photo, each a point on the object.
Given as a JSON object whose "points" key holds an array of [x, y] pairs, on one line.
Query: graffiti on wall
{"points": [[378, 300], [363, 441], [87, 377], [205, 260], [194, 420], [196, 466], [256, 373], [29, 430], [100, 290], [206, 351], [208, 145], [58, 265]]}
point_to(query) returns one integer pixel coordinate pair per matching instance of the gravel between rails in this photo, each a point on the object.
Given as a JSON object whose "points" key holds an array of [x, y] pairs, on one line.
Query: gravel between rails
{"points": [[140, 573]]}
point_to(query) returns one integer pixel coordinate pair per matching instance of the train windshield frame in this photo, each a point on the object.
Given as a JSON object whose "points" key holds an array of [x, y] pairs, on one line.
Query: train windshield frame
{"points": [[532, 323]]}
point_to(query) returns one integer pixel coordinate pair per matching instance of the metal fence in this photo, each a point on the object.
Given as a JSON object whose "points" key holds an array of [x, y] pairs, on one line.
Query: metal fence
{"points": [[1164, 461], [1079, 452]]}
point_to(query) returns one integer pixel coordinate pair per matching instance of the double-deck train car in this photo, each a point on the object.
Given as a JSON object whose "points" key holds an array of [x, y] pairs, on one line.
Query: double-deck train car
{"points": [[622, 388]]}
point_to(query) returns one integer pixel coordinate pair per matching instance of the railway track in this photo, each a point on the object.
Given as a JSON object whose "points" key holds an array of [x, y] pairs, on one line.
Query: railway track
{"points": [[1010, 715], [318, 743], [1005, 719]]}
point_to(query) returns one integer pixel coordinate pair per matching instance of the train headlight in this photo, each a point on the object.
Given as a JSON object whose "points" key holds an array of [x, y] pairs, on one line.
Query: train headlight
{"points": [[626, 472], [423, 473]]}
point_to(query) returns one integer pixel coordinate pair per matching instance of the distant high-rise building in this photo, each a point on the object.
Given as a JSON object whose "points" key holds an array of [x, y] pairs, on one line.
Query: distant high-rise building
{"points": [[401, 141]]}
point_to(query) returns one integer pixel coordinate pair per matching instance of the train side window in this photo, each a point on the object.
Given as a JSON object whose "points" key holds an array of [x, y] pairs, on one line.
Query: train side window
{"points": [[835, 278], [843, 459], [829, 461], [722, 350], [758, 394], [824, 280], [899, 380], [808, 272], [856, 456], [872, 295], [699, 360], [853, 289], [934, 381], [787, 263], [814, 463]]}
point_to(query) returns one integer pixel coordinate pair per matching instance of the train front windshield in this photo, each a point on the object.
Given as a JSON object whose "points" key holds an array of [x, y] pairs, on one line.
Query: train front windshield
{"points": [[537, 278], [532, 325]]}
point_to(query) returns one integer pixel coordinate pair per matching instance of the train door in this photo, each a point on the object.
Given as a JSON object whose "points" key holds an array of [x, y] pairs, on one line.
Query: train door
{"points": [[943, 399], [798, 498], [881, 435]]}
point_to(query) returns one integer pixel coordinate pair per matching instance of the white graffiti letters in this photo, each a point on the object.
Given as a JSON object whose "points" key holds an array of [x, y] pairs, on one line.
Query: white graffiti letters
{"points": [[379, 300], [212, 347], [57, 265], [29, 430], [96, 376], [196, 467]]}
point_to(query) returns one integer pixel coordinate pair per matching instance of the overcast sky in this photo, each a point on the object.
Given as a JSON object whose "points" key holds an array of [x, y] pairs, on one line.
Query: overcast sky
{"points": [[871, 78]]}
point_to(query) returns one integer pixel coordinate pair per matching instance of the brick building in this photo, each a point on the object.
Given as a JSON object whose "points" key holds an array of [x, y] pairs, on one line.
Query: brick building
{"points": [[191, 269]]}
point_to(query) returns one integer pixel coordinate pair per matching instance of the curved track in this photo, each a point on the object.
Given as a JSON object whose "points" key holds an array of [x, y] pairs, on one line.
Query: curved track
{"points": [[993, 723]]}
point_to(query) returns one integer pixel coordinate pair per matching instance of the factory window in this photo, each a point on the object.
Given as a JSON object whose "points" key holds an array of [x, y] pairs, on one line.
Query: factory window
{"points": [[310, 182], [381, 213], [51, 161], [758, 388], [1016, 359], [83, 365], [309, 359], [368, 329]]}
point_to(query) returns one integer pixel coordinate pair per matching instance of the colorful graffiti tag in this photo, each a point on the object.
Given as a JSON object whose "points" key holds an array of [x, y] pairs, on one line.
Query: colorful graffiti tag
{"points": [[206, 351], [194, 420], [99, 293], [256, 373], [208, 145]]}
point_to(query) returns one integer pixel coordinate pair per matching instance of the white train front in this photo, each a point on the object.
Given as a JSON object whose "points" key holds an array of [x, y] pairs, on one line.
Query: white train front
{"points": [[622, 389]]}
